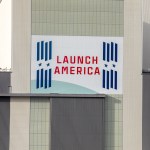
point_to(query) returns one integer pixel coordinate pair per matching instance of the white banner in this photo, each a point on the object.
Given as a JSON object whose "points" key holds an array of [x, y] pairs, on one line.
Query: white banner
{"points": [[76, 64]]}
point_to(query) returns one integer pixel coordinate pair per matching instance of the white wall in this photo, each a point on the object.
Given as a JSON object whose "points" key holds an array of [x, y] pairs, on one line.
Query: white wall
{"points": [[5, 34], [21, 27], [20, 77], [132, 96], [19, 123]]}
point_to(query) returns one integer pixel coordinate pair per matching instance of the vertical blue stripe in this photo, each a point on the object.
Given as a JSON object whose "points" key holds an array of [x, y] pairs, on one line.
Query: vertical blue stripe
{"points": [[112, 78], [50, 50], [104, 51], [112, 51], [108, 52], [116, 52], [45, 79], [116, 80], [46, 50], [103, 79], [41, 77], [42, 49], [107, 80], [50, 77], [37, 79], [38, 51]]}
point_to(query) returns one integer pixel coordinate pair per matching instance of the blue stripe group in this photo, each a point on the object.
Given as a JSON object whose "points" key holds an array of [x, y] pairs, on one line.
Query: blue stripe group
{"points": [[44, 50], [110, 52], [44, 77], [109, 79]]}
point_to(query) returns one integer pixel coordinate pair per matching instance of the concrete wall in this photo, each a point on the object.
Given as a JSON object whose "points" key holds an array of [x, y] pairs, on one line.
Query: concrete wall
{"points": [[21, 32], [4, 122], [132, 98], [5, 82], [19, 123], [20, 79], [132, 95], [146, 76]]}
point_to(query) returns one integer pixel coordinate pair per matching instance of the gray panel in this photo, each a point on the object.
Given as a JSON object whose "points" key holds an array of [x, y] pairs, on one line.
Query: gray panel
{"points": [[77, 124], [146, 113], [4, 122], [146, 47], [4, 82]]}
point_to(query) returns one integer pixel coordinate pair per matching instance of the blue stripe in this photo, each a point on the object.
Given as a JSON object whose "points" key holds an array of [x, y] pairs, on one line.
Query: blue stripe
{"points": [[46, 50], [112, 78], [45, 79], [116, 52], [104, 51], [37, 79], [38, 51], [112, 51], [42, 49], [50, 50], [108, 52], [50, 77], [107, 79], [116, 80], [103, 78], [41, 77]]}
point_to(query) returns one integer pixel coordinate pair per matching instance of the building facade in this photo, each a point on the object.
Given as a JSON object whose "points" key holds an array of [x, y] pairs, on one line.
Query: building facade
{"points": [[62, 121]]}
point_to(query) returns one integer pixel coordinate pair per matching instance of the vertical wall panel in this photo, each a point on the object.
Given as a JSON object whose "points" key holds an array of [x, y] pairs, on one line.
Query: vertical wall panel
{"points": [[132, 69], [4, 122], [146, 35], [77, 124], [40, 124], [19, 123], [78, 17], [146, 76], [5, 82], [21, 33], [146, 112]]}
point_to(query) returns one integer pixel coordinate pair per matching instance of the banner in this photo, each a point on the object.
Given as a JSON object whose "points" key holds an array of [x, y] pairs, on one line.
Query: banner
{"points": [[76, 64]]}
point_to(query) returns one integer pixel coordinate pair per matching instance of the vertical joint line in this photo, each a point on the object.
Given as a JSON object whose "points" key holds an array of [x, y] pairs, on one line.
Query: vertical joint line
{"points": [[111, 78], [103, 78], [38, 51], [112, 51], [108, 51], [50, 50], [46, 51], [104, 51], [45, 79], [50, 77], [37, 79], [116, 52], [42, 49], [41, 77], [116, 80], [107, 79]]}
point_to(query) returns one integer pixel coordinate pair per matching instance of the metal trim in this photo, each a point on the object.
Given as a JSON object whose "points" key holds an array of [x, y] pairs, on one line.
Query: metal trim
{"points": [[53, 95]]}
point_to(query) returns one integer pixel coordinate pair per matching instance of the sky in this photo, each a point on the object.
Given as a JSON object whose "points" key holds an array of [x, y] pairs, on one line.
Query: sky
{"points": [[5, 34]]}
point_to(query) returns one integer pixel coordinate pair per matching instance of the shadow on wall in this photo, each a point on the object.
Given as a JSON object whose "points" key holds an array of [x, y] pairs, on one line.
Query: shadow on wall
{"points": [[146, 47], [114, 122]]}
